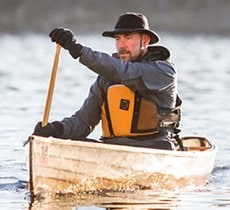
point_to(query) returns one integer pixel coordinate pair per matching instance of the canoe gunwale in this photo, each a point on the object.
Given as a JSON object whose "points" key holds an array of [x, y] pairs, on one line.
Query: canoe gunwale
{"points": [[81, 143]]}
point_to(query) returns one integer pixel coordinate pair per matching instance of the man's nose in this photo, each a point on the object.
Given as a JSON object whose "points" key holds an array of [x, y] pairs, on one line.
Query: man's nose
{"points": [[121, 43]]}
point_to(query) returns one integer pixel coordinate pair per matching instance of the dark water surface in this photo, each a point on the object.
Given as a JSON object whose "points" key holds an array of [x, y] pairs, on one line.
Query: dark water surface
{"points": [[204, 84]]}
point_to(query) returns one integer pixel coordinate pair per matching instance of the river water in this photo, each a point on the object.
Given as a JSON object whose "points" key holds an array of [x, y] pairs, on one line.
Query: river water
{"points": [[204, 84]]}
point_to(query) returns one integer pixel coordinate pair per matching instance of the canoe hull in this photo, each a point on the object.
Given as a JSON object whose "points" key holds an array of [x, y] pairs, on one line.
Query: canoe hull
{"points": [[65, 166]]}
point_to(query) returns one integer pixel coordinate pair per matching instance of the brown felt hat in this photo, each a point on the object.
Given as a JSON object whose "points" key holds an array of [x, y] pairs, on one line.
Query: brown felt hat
{"points": [[132, 22]]}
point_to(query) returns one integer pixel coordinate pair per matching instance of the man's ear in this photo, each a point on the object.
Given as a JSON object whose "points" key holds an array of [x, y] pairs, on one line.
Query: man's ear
{"points": [[146, 39]]}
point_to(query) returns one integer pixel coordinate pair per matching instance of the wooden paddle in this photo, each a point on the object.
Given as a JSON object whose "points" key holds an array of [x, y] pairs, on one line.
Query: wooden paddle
{"points": [[51, 86]]}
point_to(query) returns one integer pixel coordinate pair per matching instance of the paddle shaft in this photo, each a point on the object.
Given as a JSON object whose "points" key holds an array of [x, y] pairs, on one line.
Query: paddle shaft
{"points": [[51, 86]]}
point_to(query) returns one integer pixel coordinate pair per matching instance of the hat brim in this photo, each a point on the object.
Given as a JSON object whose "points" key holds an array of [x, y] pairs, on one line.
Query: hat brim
{"points": [[154, 38]]}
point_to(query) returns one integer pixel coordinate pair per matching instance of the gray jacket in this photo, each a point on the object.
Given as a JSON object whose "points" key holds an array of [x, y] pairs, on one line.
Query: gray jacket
{"points": [[154, 77]]}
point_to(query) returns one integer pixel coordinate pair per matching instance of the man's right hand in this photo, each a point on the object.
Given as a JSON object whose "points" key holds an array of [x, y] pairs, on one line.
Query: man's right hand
{"points": [[65, 38], [54, 129]]}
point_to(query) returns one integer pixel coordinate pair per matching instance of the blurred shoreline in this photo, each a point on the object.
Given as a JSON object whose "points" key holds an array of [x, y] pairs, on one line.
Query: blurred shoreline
{"points": [[176, 16]]}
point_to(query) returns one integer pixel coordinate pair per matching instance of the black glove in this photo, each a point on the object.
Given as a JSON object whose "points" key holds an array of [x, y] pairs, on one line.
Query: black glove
{"points": [[65, 38], [54, 129]]}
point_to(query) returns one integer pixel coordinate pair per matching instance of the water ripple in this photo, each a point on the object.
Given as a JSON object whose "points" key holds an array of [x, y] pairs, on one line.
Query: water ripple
{"points": [[13, 185], [218, 169]]}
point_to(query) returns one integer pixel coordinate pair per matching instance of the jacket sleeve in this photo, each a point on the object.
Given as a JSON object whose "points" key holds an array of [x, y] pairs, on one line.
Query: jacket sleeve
{"points": [[82, 123], [142, 76]]}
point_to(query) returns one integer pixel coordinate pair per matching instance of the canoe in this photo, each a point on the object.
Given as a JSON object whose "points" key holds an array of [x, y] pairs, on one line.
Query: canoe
{"points": [[72, 166]]}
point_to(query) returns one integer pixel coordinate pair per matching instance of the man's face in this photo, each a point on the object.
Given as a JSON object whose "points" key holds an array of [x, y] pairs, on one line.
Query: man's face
{"points": [[129, 45]]}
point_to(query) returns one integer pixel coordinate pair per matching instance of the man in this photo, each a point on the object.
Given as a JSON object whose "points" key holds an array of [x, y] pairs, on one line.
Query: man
{"points": [[135, 94]]}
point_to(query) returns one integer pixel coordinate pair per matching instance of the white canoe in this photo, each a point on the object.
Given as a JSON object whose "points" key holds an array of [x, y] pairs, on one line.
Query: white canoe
{"points": [[67, 166]]}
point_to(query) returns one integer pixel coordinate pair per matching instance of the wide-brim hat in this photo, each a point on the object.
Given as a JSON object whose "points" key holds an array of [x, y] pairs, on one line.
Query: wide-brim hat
{"points": [[132, 22]]}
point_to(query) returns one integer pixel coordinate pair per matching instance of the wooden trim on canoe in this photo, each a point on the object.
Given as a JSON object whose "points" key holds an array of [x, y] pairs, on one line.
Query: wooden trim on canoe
{"points": [[202, 143], [196, 148], [31, 184]]}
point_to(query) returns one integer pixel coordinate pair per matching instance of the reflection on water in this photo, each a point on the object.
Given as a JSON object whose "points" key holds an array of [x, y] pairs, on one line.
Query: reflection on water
{"points": [[204, 68], [138, 200], [112, 200]]}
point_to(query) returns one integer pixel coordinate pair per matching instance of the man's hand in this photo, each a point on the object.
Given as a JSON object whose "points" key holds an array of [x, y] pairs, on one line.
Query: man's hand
{"points": [[54, 129], [65, 38]]}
